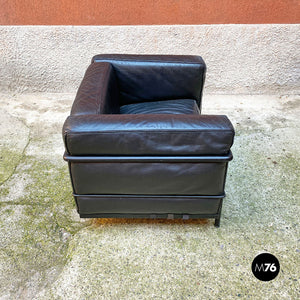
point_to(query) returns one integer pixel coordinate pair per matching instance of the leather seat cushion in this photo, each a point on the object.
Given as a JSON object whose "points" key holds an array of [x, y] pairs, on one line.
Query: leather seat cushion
{"points": [[178, 106]]}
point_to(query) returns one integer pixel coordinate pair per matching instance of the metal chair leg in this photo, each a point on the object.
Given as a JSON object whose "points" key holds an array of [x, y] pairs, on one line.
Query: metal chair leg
{"points": [[217, 222]]}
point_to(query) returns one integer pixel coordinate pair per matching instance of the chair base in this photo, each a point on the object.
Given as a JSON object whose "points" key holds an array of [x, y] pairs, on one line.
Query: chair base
{"points": [[209, 212], [140, 203], [155, 216]]}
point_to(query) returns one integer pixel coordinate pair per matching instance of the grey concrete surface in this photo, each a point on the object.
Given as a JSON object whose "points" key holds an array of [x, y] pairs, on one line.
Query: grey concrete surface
{"points": [[47, 252], [241, 59]]}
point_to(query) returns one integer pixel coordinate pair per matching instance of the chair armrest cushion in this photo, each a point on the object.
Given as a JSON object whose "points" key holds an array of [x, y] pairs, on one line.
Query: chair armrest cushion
{"points": [[98, 92], [148, 135]]}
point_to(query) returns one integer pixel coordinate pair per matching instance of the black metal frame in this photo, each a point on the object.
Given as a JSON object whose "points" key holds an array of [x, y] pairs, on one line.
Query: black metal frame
{"points": [[162, 159]]}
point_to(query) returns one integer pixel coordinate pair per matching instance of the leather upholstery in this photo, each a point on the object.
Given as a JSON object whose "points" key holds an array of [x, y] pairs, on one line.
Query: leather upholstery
{"points": [[148, 134], [111, 205], [144, 78], [180, 106], [156, 178], [137, 144], [98, 92]]}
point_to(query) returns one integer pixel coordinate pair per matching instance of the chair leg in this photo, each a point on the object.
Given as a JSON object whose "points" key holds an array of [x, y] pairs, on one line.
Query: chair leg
{"points": [[217, 222]]}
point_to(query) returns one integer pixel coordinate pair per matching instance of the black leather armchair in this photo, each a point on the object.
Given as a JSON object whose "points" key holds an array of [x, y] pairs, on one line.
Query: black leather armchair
{"points": [[137, 145]]}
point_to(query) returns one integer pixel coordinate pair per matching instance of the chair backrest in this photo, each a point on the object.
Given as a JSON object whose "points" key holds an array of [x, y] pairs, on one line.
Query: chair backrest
{"points": [[156, 77]]}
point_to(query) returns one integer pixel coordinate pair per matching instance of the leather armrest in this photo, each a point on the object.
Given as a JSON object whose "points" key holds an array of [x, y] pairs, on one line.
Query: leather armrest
{"points": [[148, 135], [98, 92]]}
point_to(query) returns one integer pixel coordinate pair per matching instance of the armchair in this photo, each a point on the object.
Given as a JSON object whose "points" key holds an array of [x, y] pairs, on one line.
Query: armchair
{"points": [[137, 145]]}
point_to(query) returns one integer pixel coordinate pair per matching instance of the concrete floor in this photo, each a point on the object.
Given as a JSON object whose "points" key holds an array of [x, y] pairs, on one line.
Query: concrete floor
{"points": [[47, 252]]}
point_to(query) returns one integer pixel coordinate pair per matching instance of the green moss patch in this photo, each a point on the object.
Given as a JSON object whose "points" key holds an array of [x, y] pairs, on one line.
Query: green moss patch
{"points": [[40, 224], [9, 159]]}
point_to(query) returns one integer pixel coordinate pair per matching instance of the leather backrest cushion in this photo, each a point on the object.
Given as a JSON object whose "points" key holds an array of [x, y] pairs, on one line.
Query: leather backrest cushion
{"points": [[149, 78]]}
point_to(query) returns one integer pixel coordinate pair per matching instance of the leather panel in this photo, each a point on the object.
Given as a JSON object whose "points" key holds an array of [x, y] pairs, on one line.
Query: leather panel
{"points": [[151, 205], [98, 92], [148, 135], [148, 178], [178, 106], [157, 77]]}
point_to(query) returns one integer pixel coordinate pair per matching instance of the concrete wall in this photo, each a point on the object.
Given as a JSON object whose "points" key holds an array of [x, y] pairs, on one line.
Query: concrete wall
{"points": [[241, 59]]}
